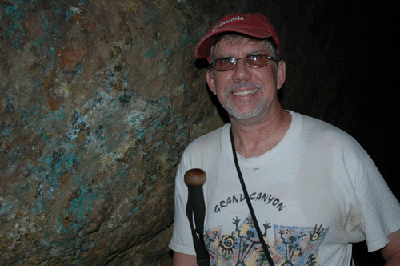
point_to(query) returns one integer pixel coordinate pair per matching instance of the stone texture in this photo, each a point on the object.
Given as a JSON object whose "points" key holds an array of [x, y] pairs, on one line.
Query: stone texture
{"points": [[93, 100], [98, 99]]}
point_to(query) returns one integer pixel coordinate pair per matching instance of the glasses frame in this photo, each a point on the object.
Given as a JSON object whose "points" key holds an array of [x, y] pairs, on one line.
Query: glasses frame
{"points": [[235, 60]]}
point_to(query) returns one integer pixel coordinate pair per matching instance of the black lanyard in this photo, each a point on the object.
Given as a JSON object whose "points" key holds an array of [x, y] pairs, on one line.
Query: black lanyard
{"points": [[246, 194]]}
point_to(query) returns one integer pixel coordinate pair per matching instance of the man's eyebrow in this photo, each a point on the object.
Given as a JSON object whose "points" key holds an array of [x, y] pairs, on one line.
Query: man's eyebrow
{"points": [[224, 56], [254, 52], [259, 51]]}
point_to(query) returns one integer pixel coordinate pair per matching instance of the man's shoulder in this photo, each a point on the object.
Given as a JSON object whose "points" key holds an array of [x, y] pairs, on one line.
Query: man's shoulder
{"points": [[205, 150], [317, 127], [209, 140], [321, 134]]}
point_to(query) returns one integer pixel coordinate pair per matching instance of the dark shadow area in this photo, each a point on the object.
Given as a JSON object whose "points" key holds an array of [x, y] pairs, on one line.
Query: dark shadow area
{"points": [[364, 258], [201, 63]]}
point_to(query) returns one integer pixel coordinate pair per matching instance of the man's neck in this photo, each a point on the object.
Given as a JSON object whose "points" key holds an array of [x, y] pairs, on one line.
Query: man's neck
{"points": [[256, 138]]}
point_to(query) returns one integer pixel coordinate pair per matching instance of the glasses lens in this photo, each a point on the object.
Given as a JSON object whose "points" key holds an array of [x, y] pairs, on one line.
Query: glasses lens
{"points": [[258, 60], [223, 64]]}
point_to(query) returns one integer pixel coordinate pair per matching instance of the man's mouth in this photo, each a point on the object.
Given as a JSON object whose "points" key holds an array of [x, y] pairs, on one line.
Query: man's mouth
{"points": [[244, 93]]}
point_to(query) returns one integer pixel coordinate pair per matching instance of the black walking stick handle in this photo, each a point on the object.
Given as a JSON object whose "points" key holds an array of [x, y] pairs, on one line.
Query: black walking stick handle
{"points": [[196, 211]]}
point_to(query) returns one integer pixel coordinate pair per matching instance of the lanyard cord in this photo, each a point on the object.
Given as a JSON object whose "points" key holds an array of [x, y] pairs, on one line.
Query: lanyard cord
{"points": [[246, 194]]}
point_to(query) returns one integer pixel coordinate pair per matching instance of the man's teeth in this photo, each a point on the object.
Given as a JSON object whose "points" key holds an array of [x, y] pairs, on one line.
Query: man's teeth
{"points": [[243, 93]]}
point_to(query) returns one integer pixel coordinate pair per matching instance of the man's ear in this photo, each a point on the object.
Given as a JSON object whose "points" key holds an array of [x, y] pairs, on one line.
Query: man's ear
{"points": [[281, 74], [211, 81]]}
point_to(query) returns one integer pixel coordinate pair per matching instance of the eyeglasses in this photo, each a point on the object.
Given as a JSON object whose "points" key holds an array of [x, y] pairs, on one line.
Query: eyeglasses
{"points": [[253, 60]]}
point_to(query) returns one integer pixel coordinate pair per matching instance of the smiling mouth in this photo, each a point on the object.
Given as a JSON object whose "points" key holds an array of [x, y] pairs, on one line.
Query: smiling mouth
{"points": [[244, 93]]}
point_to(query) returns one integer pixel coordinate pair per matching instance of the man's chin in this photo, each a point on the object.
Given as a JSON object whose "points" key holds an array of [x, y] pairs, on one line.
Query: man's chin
{"points": [[243, 115]]}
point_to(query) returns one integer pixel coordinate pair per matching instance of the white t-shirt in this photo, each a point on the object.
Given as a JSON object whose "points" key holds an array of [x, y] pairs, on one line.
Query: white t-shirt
{"points": [[314, 193]]}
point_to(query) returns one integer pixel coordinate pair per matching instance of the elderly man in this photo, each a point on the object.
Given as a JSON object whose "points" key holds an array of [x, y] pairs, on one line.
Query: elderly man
{"points": [[282, 188]]}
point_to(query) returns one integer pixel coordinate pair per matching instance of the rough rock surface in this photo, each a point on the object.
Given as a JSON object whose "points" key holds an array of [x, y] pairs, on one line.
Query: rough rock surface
{"points": [[98, 99]]}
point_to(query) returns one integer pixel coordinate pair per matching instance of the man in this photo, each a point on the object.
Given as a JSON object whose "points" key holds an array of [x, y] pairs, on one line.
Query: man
{"points": [[312, 189]]}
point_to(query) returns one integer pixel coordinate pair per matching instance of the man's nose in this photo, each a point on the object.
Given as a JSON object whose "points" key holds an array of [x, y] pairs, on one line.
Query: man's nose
{"points": [[241, 71]]}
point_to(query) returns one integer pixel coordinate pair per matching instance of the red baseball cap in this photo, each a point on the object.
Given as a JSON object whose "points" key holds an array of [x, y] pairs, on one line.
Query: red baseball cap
{"points": [[255, 25]]}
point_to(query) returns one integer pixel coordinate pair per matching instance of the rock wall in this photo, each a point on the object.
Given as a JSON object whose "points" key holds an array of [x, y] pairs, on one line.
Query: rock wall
{"points": [[98, 99]]}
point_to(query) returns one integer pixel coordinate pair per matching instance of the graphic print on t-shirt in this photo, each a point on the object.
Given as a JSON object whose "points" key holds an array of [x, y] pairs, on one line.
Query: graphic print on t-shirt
{"points": [[292, 245]]}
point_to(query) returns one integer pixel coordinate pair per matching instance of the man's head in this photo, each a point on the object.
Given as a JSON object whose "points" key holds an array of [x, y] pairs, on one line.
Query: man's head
{"points": [[242, 50], [234, 37], [252, 25]]}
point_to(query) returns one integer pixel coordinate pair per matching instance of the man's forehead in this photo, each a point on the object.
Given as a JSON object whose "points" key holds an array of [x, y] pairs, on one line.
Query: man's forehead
{"points": [[228, 42]]}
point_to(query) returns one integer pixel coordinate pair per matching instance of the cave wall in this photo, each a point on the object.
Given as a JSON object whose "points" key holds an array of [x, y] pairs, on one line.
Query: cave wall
{"points": [[98, 99]]}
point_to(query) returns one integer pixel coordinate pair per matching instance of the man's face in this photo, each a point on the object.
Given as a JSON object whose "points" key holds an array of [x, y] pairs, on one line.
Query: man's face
{"points": [[246, 92]]}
